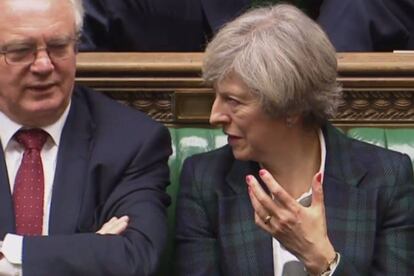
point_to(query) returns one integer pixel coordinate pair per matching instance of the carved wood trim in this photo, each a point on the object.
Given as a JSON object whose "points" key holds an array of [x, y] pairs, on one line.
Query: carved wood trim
{"points": [[378, 87]]}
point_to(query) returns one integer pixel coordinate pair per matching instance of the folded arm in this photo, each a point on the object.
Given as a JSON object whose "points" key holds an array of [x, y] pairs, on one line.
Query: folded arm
{"points": [[139, 193]]}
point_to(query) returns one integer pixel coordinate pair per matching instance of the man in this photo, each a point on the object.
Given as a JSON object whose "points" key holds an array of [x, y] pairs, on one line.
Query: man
{"points": [[186, 25], [93, 160], [155, 25], [368, 25]]}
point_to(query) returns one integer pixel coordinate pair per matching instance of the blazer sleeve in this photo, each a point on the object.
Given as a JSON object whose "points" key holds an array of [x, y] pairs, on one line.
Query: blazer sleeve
{"points": [[394, 247], [140, 194], [196, 242]]}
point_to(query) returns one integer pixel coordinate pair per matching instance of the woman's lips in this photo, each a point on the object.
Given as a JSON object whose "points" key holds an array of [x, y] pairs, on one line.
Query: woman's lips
{"points": [[231, 139]]}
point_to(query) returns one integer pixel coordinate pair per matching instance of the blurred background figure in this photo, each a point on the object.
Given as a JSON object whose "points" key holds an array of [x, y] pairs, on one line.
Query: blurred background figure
{"points": [[368, 25], [187, 25], [155, 25]]}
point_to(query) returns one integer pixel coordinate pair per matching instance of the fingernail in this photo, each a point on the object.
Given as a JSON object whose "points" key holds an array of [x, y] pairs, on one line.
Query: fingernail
{"points": [[319, 177], [262, 172]]}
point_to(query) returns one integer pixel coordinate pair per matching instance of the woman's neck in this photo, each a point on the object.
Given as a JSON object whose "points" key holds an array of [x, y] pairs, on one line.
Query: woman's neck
{"points": [[294, 164]]}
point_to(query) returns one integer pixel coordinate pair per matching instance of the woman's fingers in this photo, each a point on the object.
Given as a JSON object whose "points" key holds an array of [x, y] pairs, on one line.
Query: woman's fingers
{"points": [[317, 191], [279, 194]]}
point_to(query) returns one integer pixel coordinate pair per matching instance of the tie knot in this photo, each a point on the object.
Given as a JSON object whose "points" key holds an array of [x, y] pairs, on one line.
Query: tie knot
{"points": [[31, 138]]}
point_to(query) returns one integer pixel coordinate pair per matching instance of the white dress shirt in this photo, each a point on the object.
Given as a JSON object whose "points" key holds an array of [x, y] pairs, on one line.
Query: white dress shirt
{"points": [[13, 153], [284, 262]]}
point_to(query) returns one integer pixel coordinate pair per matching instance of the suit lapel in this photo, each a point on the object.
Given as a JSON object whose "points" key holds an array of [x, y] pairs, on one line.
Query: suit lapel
{"points": [[72, 163], [7, 224], [343, 198], [340, 160], [242, 237]]}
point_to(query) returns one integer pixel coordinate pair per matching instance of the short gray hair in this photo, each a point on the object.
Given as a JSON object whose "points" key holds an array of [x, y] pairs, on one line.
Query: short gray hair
{"points": [[79, 12], [285, 59]]}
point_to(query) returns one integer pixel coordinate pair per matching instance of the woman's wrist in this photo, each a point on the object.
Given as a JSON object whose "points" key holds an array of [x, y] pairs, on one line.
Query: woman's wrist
{"points": [[322, 264], [331, 266]]}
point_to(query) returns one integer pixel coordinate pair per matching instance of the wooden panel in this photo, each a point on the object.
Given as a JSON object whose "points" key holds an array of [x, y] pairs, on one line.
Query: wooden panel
{"points": [[378, 87], [193, 106]]}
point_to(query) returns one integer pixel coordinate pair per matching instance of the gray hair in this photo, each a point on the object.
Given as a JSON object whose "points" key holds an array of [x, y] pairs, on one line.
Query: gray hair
{"points": [[284, 58], [79, 12]]}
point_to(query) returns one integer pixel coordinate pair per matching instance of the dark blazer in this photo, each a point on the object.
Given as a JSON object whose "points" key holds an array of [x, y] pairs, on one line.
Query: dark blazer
{"points": [[369, 200], [154, 25], [219, 12], [112, 161], [368, 25]]}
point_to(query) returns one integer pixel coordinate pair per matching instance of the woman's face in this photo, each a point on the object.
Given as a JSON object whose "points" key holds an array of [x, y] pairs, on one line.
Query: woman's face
{"points": [[251, 132]]}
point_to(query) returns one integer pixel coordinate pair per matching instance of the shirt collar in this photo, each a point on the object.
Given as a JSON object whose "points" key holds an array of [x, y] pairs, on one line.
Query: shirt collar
{"points": [[305, 198], [8, 128], [322, 144]]}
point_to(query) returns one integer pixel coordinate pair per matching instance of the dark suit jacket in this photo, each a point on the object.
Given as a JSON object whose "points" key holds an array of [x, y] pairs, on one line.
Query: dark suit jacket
{"points": [[368, 25], [154, 25], [219, 12], [369, 200], [112, 161]]}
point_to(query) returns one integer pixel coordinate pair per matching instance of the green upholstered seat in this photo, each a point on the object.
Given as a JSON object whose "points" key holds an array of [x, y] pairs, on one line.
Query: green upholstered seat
{"points": [[185, 142], [189, 141], [398, 139]]}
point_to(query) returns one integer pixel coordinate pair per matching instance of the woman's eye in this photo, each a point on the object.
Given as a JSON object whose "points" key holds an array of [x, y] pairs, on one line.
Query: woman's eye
{"points": [[232, 102]]}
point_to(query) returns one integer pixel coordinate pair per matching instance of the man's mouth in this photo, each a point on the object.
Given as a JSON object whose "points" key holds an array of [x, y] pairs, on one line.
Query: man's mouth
{"points": [[40, 86]]}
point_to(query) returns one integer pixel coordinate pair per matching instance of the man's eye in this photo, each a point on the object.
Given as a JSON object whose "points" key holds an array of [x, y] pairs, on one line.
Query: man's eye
{"points": [[19, 50], [18, 53], [58, 49], [57, 46]]}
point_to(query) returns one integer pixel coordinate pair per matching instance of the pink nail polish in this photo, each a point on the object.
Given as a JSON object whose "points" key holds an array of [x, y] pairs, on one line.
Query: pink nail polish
{"points": [[262, 172], [248, 178], [319, 177]]}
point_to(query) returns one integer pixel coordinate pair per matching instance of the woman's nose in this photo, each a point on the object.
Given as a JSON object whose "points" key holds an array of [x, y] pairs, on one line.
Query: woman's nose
{"points": [[218, 113]]}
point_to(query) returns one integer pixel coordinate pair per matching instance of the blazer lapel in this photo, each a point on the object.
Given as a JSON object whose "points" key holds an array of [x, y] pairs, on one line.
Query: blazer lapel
{"points": [[7, 224], [242, 237], [72, 163], [343, 198]]}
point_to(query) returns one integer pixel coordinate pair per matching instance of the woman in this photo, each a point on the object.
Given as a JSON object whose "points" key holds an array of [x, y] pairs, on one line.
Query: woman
{"points": [[289, 194]]}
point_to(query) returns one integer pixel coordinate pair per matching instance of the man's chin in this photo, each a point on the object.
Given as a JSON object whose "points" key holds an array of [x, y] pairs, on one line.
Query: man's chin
{"points": [[39, 116]]}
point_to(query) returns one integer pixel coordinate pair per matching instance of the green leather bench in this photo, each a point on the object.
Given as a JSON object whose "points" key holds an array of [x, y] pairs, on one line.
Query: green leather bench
{"points": [[189, 141]]}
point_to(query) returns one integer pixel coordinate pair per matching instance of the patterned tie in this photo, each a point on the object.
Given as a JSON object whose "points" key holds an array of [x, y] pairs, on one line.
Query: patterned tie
{"points": [[29, 183]]}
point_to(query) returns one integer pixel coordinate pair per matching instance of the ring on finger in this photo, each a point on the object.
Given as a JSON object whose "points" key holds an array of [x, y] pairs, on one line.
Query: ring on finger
{"points": [[267, 219]]}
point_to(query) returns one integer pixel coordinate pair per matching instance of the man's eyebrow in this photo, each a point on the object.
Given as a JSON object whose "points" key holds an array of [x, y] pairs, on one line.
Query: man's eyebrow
{"points": [[32, 41], [18, 42], [60, 38]]}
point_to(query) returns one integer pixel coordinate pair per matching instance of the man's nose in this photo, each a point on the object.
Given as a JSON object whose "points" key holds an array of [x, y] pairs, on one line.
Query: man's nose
{"points": [[42, 63], [218, 115]]}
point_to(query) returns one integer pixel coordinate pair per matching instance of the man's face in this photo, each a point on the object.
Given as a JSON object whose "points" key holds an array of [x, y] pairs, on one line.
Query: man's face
{"points": [[36, 93]]}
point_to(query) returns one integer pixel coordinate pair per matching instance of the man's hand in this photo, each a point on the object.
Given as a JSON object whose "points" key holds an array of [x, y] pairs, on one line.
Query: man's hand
{"points": [[115, 226], [301, 230]]}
